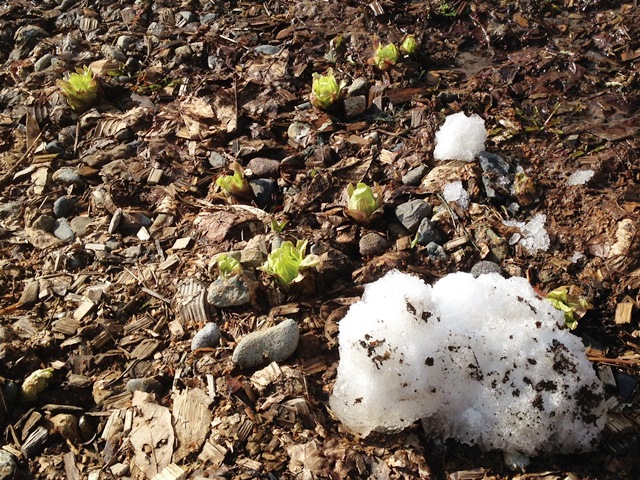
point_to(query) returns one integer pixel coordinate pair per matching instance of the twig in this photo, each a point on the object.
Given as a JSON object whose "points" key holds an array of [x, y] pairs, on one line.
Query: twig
{"points": [[6, 178]]}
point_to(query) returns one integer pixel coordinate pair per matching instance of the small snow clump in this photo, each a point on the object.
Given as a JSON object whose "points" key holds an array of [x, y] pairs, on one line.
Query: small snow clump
{"points": [[455, 192], [580, 177], [533, 236], [482, 360], [460, 138]]}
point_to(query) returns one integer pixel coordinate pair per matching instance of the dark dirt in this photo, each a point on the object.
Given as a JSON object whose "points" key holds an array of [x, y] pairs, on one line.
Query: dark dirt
{"points": [[189, 89]]}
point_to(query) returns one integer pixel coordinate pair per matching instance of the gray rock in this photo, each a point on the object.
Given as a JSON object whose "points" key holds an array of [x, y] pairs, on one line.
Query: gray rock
{"points": [[217, 160], [274, 344], [411, 213], [62, 230], [229, 292], [264, 189], [183, 52], [485, 266], [80, 224], [268, 49], [264, 167], [372, 244], [208, 336], [67, 176], [495, 177], [414, 176], [252, 257], [43, 62], [436, 252], [354, 106], [428, 232], [124, 42], [113, 53], [64, 206], [54, 147], [7, 465], [357, 87], [146, 384], [44, 222]]}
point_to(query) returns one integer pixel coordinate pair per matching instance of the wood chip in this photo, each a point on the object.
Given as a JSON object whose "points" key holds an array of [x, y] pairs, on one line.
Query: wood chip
{"points": [[171, 472], [191, 418], [214, 453], [623, 313]]}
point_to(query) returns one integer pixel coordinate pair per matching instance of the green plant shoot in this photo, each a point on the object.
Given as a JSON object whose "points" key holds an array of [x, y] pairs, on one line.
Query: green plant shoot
{"points": [[35, 383], [385, 57], [286, 261], [277, 226], [80, 89], [228, 266], [324, 90], [409, 45], [573, 306], [235, 185], [363, 201]]}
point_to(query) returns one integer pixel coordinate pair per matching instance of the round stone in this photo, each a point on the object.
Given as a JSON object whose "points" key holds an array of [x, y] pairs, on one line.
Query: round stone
{"points": [[484, 267], [208, 336], [372, 244], [64, 206], [274, 344]]}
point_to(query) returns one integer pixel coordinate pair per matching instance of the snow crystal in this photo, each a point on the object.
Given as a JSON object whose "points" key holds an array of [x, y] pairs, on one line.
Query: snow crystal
{"points": [[460, 138], [482, 360], [455, 192], [533, 237], [576, 257], [580, 177]]}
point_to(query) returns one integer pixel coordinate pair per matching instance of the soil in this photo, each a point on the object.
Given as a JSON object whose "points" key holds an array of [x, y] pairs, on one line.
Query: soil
{"points": [[188, 91]]}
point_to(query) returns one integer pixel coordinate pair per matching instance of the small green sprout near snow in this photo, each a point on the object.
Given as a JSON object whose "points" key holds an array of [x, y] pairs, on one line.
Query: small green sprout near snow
{"points": [[228, 266], [573, 306], [81, 89], [35, 383], [324, 90], [286, 261], [277, 226], [235, 185], [363, 201], [409, 45], [385, 57]]}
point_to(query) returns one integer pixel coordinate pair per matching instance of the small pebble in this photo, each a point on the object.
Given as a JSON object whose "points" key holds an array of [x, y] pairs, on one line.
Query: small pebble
{"points": [[436, 252], [80, 224], [372, 244], [264, 189], [229, 292], [67, 176], [54, 147], [414, 176], [64, 206], [274, 344], [183, 52], [428, 232], [113, 53], [67, 426], [146, 384], [124, 42], [43, 62], [484, 267], [268, 49], [264, 167], [44, 222], [217, 160], [354, 106], [411, 213], [252, 257], [208, 336], [62, 230], [357, 87]]}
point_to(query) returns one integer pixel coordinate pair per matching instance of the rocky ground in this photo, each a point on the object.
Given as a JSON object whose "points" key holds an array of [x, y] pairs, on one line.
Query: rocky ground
{"points": [[111, 220]]}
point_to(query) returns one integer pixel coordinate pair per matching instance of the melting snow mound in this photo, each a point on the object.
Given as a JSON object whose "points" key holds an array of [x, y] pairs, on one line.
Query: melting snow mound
{"points": [[482, 360], [460, 138]]}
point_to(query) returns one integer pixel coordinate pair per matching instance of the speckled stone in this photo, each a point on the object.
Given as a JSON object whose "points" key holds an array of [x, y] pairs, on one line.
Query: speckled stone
{"points": [[274, 344], [208, 336], [372, 244]]}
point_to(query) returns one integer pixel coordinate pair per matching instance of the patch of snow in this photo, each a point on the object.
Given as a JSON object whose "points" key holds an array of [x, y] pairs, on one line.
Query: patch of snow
{"points": [[533, 236], [580, 177], [455, 192], [460, 138], [482, 360], [576, 257]]}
